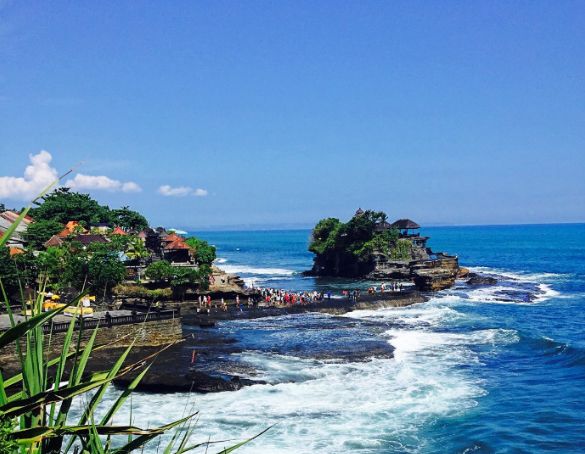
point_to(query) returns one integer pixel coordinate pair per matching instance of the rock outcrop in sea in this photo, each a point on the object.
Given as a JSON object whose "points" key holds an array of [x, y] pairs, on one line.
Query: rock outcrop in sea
{"points": [[367, 246]]}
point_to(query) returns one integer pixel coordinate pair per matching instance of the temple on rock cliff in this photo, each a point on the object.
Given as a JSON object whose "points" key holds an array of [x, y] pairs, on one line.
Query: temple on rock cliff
{"points": [[405, 254]]}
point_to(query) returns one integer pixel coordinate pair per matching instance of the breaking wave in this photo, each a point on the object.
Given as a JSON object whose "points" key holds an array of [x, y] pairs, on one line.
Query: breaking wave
{"points": [[245, 269], [523, 276]]}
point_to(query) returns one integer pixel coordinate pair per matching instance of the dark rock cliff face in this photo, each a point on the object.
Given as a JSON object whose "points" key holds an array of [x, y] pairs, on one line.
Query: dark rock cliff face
{"points": [[340, 265], [437, 274], [379, 265], [429, 271]]}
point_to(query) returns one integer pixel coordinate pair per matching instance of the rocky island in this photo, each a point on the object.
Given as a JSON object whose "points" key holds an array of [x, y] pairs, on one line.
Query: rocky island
{"points": [[368, 246]]}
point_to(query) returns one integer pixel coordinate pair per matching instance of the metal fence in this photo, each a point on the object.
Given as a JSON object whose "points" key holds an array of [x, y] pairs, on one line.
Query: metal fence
{"points": [[116, 320]]}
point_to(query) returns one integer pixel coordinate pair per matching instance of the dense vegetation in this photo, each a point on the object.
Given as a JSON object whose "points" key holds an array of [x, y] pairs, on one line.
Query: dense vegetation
{"points": [[97, 267], [63, 205], [179, 278], [347, 249], [205, 252]]}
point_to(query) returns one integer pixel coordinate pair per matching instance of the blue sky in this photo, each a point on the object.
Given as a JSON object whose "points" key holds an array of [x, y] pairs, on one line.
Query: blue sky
{"points": [[265, 113]]}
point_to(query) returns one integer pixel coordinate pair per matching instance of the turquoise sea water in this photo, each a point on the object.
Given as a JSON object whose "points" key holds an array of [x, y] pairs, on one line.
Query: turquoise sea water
{"points": [[487, 369]]}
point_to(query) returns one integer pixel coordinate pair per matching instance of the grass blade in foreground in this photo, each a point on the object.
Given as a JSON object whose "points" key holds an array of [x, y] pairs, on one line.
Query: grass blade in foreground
{"points": [[21, 329]]}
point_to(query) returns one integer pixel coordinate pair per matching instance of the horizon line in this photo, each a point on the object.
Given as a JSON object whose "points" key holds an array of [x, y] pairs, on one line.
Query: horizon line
{"points": [[283, 227]]}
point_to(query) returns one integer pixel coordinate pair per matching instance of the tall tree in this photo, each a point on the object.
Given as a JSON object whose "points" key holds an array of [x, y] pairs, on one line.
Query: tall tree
{"points": [[63, 205], [105, 270], [128, 219]]}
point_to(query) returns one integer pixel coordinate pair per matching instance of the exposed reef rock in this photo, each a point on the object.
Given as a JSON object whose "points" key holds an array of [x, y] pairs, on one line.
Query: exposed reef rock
{"points": [[437, 274], [222, 282], [476, 280], [463, 273]]}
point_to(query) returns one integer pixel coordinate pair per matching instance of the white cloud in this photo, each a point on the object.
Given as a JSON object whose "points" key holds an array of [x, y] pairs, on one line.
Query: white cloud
{"points": [[169, 191], [181, 191], [38, 175], [130, 186], [102, 182]]}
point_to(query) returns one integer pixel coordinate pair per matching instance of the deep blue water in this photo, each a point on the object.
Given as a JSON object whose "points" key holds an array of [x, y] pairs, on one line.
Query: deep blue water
{"points": [[490, 369]]}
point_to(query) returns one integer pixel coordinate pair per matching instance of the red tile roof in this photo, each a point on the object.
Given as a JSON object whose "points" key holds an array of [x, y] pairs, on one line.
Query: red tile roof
{"points": [[53, 241], [173, 237], [177, 245], [69, 228], [118, 231], [15, 251], [64, 233]]}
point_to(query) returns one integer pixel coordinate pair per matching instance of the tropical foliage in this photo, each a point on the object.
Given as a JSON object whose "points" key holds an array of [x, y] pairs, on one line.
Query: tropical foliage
{"points": [[140, 291], [63, 205], [348, 248], [38, 232], [98, 266], [128, 219], [204, 252], [179, 278]]}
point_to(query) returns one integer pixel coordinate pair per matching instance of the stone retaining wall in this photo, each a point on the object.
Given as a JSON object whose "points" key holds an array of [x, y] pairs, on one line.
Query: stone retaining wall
{"points": [[147, 334]]}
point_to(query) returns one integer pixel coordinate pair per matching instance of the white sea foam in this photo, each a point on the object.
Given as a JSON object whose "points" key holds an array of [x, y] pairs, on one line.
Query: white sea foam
{"points": [[220, 260], [326, 407], [546, 292], [504, 294], [429, 343], [517, 275], [251, 282], [433, 313], [179, 232], [542, 286], [246, 269]]}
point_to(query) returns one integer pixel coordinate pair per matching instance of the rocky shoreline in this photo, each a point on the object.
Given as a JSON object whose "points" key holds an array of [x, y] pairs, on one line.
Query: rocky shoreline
{"points": [[201, 362]]}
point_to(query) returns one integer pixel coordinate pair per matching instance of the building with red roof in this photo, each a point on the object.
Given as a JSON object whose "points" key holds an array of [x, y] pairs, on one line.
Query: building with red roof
{"points": [[118, 231]]}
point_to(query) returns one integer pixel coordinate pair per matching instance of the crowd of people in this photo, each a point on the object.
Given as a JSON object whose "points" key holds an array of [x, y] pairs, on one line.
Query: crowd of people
{"points": [[205, 303], [278, 297], [273, 297], [390, 287]]}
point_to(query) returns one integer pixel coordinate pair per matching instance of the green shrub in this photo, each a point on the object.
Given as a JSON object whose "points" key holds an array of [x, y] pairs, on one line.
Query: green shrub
{"points": [[139, 291]]}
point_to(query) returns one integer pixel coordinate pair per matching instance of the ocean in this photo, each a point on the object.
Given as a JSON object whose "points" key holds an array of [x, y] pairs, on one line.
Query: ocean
{"points": [[489, 369]]}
